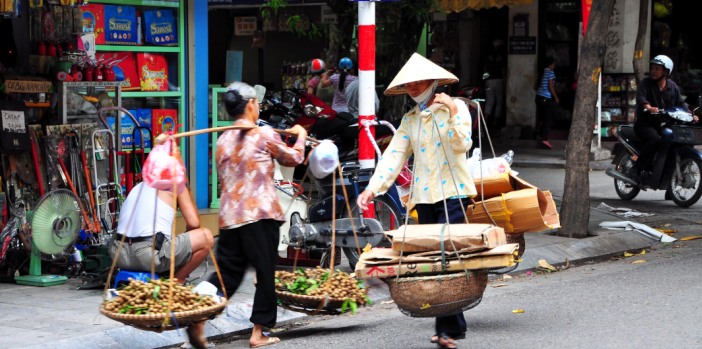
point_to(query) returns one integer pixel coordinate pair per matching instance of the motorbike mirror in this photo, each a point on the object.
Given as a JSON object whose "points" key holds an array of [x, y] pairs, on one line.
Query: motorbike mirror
{"points": [[311, 110]]}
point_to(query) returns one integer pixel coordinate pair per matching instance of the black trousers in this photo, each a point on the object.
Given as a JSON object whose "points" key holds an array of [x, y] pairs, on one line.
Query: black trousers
{"points": [[452, 325], [651, 142], [254, 244], [545, 110]]}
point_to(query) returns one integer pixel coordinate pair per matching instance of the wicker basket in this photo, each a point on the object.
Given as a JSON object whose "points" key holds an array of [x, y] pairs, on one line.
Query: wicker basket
{"points": [[310, 304], [438, 295], [155, 322]]}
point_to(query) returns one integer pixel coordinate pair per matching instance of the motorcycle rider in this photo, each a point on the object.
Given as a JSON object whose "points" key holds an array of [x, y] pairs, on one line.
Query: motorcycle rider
{"points": [[316, 69], [655, 93]]}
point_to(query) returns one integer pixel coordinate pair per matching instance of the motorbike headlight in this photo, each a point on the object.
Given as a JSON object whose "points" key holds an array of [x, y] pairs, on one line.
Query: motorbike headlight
{"points": [[311, 111]]}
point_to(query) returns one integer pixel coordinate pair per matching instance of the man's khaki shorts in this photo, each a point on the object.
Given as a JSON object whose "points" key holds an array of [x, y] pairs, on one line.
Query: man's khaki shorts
{"points": [[137, 256]]}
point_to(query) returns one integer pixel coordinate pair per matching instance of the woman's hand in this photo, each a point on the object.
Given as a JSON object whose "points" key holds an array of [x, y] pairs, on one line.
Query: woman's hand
{"points": [[446, 100], [298, 131], [364, 199]]}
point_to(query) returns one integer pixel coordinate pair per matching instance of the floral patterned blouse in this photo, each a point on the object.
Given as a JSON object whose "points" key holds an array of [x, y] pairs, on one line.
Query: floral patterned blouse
{"points": [[245, 169], [439, 145]]}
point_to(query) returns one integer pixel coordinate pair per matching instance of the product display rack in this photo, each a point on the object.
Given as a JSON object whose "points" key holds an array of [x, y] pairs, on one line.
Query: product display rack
{"points": [[178, 8], [618, 102]]}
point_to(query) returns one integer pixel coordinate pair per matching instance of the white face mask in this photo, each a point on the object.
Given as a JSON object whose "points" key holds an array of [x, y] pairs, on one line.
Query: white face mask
{"points": [[426, 95]]}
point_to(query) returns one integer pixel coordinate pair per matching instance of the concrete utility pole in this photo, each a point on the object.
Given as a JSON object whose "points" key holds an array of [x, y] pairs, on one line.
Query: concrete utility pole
{"points": [[366, 83], [366, 86]]}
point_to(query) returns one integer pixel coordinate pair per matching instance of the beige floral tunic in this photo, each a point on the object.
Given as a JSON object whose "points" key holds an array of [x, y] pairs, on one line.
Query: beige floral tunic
{"points": [[245, 169]]}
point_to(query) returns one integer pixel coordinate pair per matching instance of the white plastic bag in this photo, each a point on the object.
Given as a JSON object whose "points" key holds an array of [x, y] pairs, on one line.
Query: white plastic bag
{"points": [[324, 159], [489, 167]]}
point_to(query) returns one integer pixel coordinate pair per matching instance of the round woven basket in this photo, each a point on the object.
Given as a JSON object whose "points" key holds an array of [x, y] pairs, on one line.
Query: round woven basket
{"points": [[155, 322], [309, 304], [437, 295]]}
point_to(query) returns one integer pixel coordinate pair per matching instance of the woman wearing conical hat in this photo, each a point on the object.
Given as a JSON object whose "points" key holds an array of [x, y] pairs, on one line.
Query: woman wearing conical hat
{"points": [[439, 141]]}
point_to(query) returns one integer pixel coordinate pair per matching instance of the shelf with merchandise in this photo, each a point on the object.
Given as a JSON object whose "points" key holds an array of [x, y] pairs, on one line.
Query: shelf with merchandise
{"points": [[151, 57]]}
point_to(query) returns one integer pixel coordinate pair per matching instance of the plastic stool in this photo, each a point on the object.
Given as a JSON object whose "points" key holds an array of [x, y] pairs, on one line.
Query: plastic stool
{"points": [[123, 276]]}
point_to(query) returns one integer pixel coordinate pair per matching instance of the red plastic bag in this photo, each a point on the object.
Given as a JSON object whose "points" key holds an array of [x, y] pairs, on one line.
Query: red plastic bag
{"points": [[163, 170], [404, 179]]}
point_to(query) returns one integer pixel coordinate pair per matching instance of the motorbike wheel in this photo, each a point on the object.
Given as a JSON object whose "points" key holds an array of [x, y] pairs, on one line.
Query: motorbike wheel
{"points": [[625, 190], [686, 189], [324, 261], [390, 218]]}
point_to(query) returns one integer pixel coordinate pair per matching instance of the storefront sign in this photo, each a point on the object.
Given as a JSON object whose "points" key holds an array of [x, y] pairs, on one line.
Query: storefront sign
{"points": [[520, 46], [328, 16], [27, 86], [13, 121], [244, 26]]}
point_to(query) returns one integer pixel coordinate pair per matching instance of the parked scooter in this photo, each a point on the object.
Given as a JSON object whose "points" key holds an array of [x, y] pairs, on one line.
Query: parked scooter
{"points": [[677, 163]]}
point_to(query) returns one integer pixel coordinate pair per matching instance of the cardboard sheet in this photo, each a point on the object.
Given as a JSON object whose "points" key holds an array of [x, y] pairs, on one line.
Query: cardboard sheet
{"points": [[499, 257], [428, 237]]}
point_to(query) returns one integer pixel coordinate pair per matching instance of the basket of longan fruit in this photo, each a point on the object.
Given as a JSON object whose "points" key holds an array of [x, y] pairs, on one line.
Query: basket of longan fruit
{"points": [[313, 291], [153, 306]]}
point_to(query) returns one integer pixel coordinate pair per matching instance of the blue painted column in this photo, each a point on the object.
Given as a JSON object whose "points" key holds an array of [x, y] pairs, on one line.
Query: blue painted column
{"points": [[201, 116]]}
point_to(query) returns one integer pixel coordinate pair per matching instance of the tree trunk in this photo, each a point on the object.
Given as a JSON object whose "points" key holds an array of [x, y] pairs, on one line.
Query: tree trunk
{"points": [[639, 63], [575, 210]]}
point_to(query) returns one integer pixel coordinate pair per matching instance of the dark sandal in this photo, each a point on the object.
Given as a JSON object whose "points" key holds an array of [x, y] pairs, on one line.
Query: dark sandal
{"points": [[435, 338], [446, 342]]}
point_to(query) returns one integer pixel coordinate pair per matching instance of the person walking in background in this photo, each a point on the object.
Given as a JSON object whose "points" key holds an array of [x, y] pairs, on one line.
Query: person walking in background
{"points": [[443, 185], [495, 71], [351, 93], [250, 215], [316, 69], [340, 81], [546, 101]]}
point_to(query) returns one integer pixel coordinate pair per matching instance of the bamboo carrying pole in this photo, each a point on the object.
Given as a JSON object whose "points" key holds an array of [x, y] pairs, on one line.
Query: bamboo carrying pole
{"points": [[162, 137]]}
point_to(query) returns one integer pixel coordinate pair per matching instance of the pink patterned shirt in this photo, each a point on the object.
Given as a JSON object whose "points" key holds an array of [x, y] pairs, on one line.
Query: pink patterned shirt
{"points": [[245, 169]]}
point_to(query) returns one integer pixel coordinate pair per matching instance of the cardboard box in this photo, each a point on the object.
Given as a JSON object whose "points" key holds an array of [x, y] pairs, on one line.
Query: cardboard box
{"points": [[498, 257], [489, 187], [152, 69], [94, 21], [121, 27], [160, 28], [520, 211], [429, 237], [164, 120]]}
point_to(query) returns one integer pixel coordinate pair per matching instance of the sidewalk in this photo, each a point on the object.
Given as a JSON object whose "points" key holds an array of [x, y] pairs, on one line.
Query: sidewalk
{"points": [[63, 317]]}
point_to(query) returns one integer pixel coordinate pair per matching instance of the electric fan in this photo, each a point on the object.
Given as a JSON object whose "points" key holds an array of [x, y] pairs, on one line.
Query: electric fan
{"points": [[55, 223]]}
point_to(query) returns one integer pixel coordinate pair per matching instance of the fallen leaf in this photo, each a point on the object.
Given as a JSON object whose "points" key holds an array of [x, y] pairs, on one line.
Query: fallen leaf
{"points": [[667, 231], [642, 252], [499, 285], [367, 248], [425, 306], [639, 261], [545, 265], [693, 237], [628, 254], [518, 311], [506, 277], [387, 302]]}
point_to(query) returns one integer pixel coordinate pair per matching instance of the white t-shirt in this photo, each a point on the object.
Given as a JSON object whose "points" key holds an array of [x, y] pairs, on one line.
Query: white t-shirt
{"points": [[136, 217]]}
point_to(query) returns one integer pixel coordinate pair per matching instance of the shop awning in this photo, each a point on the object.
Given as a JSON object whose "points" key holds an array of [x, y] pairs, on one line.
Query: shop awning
{"points": [[460, 5]]}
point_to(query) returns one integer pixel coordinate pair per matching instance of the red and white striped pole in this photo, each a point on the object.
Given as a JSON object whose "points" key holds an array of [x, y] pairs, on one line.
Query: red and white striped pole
{"points": [[366, 83], [366, 86]]}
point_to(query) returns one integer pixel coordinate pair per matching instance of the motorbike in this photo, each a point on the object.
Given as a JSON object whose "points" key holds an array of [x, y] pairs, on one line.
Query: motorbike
{"points": [[297, 107], [309, 220], [677, 164]]}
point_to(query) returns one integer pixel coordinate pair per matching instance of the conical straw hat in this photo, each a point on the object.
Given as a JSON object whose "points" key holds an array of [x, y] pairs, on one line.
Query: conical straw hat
{"points": [[419, 68]]}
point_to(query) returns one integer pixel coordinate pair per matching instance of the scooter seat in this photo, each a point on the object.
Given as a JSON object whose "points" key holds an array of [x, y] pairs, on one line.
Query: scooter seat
{"points": [[628, 134]]}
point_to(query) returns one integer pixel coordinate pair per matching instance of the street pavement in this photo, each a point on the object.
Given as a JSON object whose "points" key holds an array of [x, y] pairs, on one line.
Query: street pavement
{"points": [[66, 317]]}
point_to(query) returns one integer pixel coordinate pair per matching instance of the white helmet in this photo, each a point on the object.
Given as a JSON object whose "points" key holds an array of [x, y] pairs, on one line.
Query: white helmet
{"points": [[663, 60]]}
